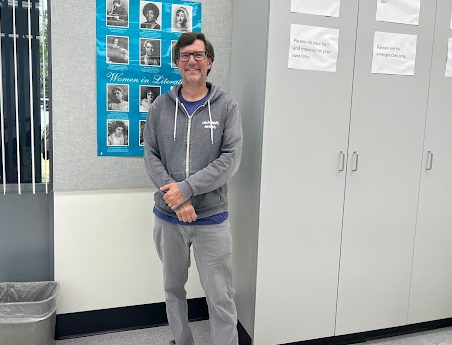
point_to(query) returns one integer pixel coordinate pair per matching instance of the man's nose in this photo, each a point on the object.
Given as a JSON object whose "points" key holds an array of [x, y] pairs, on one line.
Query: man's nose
{"points": [[191, 58]]}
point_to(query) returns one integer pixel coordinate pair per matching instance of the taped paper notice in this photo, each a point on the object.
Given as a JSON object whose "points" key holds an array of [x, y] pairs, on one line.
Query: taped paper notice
{"points": [[329, 8], [399, 11], [313, 48], [394, 53]]}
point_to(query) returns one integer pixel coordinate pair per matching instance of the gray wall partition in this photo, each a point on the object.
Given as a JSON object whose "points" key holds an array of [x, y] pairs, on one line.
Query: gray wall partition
{"points": [[248, 77], [76, 165], [25, 237]]}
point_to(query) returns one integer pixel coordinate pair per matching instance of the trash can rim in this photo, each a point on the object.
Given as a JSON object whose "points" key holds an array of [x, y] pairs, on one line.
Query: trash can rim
{"points": [[35, 302], [57, 288]]}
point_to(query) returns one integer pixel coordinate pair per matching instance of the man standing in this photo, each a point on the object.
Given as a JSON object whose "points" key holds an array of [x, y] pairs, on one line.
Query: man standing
{"points": [[193, 145]]}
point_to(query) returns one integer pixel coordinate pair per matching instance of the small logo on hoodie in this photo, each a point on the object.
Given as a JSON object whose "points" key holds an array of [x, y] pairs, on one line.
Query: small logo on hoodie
{"points": [[211, 124]]}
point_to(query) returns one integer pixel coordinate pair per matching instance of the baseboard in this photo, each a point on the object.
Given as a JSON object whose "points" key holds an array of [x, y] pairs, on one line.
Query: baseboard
{"points": [[119, 319], [152, 315], [244, 337], [378, 334], [87, 323]]}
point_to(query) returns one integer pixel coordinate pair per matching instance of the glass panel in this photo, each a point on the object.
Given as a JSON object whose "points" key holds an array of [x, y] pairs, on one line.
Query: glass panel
{"points": [[20, 101]]}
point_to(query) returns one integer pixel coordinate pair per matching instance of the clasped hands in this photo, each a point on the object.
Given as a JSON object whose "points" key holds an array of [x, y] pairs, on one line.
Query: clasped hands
{"points": [[176, 200]]}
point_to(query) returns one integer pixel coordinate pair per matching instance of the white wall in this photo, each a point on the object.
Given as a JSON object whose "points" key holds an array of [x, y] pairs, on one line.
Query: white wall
{"points": [[104, 251]]}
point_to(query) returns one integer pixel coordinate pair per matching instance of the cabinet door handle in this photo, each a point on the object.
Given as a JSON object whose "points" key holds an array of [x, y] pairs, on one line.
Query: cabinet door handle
{"points": [[355, 161], [341, 161], [429, 160]]}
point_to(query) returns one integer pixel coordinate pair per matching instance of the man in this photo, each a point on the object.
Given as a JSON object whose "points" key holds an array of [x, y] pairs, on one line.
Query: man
{"points": [[193, 144]]}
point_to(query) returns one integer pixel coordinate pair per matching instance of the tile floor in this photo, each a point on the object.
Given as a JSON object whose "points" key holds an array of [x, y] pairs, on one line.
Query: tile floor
{"points": [[201, 333]]}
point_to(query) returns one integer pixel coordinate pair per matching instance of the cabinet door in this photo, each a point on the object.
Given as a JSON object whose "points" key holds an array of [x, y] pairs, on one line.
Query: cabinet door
{"points": [[431, 287], [387, 130], [305, 127]]}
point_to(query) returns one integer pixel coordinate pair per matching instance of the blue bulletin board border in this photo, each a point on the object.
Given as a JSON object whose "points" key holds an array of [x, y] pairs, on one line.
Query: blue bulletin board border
{"points": [[128, 80]]}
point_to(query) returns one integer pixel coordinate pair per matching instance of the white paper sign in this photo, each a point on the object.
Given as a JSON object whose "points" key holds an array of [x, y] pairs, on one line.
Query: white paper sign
{"points": [[313, 48], [399, 11], [328, 8], [451, 21], [394, 53], [449, 60]]}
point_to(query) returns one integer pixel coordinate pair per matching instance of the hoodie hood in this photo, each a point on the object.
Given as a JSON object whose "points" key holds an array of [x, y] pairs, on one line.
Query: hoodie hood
{"points": [[215, 92]]}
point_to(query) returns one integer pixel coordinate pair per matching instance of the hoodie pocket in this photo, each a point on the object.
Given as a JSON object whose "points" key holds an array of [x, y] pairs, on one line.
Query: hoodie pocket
{"points": [[202, 201], [207, 200]]}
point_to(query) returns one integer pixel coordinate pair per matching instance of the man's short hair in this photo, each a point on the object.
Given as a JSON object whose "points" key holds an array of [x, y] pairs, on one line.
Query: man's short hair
{"points": [[117, 2], [188, 38]]}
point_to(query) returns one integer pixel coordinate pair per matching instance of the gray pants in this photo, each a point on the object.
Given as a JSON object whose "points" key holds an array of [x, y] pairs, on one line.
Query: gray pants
{"points": [[212, 246]]}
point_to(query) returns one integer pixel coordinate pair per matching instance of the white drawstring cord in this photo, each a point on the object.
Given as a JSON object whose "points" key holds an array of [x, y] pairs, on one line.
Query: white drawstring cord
{"points": [[211, 123], [175, 119]]}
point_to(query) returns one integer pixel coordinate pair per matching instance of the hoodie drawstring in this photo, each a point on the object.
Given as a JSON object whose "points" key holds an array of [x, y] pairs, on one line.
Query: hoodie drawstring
{"points": [[175, 119], [211, 123]]}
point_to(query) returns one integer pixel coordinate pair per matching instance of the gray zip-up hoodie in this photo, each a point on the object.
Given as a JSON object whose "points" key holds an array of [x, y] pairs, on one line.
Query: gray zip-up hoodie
{"points": [[200, 152]]}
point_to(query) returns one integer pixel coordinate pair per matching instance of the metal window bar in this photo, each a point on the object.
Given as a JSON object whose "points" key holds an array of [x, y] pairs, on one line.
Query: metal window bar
{"points": [[46, 122], [2, 118], [45, 119], [20, 58], [32, 122], [16, 97]]}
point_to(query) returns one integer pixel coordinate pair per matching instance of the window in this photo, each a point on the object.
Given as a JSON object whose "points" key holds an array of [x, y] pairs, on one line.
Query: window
{"points": [[24, 92]]}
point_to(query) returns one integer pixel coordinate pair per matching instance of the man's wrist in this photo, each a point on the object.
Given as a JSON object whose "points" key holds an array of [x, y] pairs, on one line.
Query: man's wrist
{"points": [[185, 189], [182, 206]]}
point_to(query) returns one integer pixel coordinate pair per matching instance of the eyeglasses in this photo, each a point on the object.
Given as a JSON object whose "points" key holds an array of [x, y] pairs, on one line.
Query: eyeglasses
{"points": [[198, 56]]}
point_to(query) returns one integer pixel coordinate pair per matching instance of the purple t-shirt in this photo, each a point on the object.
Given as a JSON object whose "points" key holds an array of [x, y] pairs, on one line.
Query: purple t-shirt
{"points": [[192, 106]]}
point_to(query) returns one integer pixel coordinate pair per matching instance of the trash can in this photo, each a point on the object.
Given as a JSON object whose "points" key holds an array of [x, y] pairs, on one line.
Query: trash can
{"points": [[28, 313]]}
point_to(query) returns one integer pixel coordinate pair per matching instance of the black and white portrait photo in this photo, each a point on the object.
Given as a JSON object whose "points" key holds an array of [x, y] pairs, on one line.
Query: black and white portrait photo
{"points": [[142, 124], [118, 13], [148, 94], [173, 64], [117, 97], [118, 49], [150, 50], [117, 133], [181, 18], [150, 18]]}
